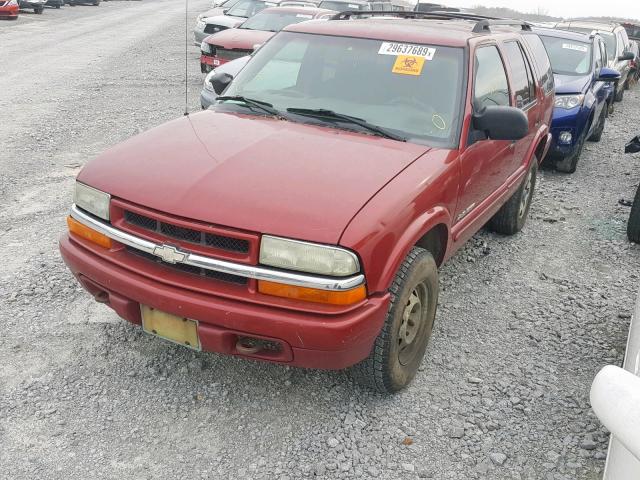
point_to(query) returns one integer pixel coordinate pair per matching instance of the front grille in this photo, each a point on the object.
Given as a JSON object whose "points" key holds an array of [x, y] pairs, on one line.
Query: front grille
{"points": [[189, 235], [202, 272], [213, 28], [232, 54]]}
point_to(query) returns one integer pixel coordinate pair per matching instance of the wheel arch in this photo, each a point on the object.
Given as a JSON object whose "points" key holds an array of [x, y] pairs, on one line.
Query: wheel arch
{"points": [[430, 231]]}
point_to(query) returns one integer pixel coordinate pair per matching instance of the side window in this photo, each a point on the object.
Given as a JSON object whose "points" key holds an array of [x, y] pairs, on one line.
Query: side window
{"points": [[520, 75], [605, 55], [491, 87], [542, 61], [598, 54]]}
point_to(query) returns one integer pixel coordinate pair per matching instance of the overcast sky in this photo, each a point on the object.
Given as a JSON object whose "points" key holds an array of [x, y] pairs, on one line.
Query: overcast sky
{"points": [[562, 8]]}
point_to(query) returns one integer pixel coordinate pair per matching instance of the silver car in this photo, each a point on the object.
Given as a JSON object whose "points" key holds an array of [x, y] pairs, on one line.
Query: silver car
{"points": [[202, 30]]}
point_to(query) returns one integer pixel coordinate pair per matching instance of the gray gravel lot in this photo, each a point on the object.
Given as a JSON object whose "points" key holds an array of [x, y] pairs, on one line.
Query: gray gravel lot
{"points": [[524, 323]]}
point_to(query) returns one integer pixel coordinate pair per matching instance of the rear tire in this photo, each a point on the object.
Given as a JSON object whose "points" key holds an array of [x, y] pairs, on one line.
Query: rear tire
{"points": [[512, 216], [399, 347], [38, 10], [633, 227], [596, 136]]}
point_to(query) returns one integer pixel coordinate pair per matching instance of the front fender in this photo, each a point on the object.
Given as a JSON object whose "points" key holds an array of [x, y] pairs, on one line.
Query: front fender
{"points": [[392, 222]]}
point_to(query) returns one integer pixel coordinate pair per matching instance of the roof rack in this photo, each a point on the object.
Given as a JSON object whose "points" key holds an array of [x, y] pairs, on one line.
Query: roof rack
{"points": [[483, 24]]}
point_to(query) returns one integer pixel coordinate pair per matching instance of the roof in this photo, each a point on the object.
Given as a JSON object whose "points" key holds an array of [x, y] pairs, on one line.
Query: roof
{"points": [[452, 33], [603, 26], [568, 34]]}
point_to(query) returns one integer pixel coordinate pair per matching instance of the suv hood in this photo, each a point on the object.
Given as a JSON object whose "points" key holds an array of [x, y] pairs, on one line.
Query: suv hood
{"points": [[571, 83], [240, 38], [258, 174]]}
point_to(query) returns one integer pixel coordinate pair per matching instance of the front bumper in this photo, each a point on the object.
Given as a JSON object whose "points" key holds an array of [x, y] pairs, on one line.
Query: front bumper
{"points": [[307, 338], [9, 12], [573, 121]]}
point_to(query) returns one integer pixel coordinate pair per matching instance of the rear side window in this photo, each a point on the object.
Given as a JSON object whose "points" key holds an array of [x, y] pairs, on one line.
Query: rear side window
{"points": [[542, 62], [520, 75], [491, 87]]}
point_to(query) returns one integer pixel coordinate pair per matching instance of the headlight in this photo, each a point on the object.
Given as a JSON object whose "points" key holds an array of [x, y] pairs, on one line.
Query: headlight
{"points": [[200, 25], [207, 83], [205, 47], [92, 200], [569, 101], [307, 257]]}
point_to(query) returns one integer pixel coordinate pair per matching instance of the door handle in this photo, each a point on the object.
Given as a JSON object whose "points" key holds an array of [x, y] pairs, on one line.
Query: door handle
{"points": [[512, 145]]}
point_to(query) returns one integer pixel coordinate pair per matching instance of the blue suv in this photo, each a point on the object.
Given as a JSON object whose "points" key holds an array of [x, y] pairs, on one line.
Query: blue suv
{"points": [[584, 86]]}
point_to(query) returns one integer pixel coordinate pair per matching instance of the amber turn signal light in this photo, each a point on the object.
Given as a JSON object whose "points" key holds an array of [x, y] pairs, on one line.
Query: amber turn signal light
{"points": [[331, 297], [87, 233]]}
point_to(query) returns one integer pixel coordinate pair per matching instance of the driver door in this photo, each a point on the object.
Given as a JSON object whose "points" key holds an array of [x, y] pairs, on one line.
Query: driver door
{"points": [[485, 163]]}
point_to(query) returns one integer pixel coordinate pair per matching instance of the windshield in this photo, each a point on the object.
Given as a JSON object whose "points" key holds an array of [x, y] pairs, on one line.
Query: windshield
{"points": [[274, 21], [342, 6], [568, 57], [248, 8], [609, 39], [415, 96]]}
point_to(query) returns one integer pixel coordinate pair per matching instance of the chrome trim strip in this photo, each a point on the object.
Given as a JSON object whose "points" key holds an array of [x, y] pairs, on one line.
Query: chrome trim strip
{"points": [[250, 271]]}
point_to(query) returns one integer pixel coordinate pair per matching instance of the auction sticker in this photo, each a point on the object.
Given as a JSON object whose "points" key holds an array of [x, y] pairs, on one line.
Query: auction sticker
{"points": [[389, 48], [408, 65], [573, 46]]}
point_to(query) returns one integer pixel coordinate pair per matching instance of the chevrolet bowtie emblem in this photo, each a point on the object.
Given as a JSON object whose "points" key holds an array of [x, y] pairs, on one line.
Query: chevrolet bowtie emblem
{"points": [[169, 254]]}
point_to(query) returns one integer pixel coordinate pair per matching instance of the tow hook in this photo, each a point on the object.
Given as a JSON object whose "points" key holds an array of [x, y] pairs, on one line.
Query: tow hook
{"points": [[101, 297], [244, 346]]}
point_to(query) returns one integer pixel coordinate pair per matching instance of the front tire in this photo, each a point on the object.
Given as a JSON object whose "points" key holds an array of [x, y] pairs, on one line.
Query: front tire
{"points": [[400, 346], [38, 10], [596, 136], [633, 227], [620, 94], [512, 216]]}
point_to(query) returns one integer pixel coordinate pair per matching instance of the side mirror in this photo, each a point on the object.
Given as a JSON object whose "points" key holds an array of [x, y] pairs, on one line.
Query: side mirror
{"points": [[633, 146], [220, 81], [224, 12], [608, 75], [502, 123], [626, 56]]}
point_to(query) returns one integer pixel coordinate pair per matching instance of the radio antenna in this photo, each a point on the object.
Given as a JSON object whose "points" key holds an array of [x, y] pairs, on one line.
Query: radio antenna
{"points": [[186, 57]]}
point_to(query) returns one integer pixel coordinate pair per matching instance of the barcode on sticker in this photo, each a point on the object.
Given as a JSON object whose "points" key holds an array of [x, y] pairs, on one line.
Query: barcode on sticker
{"points": [[389, 48], [572, 46]]}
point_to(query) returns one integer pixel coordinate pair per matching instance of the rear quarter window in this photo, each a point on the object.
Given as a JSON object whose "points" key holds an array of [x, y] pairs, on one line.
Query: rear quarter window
{"points": [[541, 60]]}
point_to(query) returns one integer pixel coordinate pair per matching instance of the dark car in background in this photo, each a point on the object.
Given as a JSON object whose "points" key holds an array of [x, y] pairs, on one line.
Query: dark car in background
{"points": [[633, 227], [617, 42], [36, 5], [583, 89], [238, 42]]}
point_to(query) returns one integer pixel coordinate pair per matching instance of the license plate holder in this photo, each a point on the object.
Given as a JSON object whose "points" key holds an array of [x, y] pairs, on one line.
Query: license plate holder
{"points": [[173, 328]]}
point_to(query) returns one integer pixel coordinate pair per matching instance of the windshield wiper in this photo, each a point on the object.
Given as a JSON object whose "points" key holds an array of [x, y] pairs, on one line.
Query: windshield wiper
{"points": [[253, 103], [330, 114]]}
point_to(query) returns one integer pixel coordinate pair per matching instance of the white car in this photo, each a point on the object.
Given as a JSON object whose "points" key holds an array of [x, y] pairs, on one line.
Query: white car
{"points": [[615, 399], [230, 17], [202, 30]]}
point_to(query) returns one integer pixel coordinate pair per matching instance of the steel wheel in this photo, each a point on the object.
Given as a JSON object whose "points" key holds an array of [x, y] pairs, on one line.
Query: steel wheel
{"points": [[413, 323], [526, 195]]}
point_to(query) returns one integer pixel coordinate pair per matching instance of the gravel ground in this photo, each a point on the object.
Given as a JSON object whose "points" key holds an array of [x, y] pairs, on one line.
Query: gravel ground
{"points": [[523, 326]]}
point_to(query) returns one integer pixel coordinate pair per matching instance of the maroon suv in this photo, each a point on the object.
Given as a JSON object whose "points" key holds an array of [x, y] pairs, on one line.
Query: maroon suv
{"points": [[303, 218]]}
